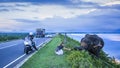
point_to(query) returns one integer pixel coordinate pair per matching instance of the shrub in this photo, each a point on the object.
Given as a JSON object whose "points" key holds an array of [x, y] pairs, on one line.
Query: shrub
{"points": [[82, 59], [79, 59]]}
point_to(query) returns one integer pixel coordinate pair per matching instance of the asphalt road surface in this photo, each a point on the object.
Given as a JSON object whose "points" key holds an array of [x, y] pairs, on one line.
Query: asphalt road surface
{"points": [[9, 51]]}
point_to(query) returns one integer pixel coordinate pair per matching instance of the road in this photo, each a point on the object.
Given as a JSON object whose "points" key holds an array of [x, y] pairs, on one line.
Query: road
{"points": [[9, 51]]}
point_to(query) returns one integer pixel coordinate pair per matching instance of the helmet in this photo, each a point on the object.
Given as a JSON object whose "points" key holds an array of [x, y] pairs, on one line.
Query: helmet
{"points": [[31, 33]]}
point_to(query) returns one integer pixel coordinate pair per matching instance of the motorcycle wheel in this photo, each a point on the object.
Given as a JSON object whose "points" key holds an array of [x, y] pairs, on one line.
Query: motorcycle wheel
{"points": [[26, 50]]}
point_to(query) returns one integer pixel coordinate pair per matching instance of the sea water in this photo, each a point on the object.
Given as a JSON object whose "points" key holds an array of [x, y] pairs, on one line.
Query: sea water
{"points": [[112, 43]]}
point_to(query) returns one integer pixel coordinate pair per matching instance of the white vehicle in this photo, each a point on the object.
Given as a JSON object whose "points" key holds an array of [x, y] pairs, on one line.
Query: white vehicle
{"points": [[28, 46]]}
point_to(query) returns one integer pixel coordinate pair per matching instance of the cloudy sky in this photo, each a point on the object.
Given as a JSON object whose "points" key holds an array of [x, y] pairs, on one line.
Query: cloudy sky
{"points": [[60, 15]]}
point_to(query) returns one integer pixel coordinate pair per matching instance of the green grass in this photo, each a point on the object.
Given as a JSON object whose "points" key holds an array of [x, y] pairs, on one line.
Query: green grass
{"points": [[46, 57]]}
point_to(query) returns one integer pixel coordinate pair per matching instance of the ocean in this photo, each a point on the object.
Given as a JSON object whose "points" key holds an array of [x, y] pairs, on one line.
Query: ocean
{"points": [[112, 43]]}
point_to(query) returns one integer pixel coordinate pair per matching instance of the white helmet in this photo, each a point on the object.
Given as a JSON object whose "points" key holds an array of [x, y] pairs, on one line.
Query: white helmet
{"points": [[31, 33]]}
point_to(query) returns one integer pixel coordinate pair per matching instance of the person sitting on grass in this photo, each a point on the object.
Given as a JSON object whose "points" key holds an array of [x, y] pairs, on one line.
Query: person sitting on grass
{"points": [[59, 49]]}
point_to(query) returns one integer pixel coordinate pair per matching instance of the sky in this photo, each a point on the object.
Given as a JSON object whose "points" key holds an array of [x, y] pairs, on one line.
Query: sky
{"points": [[60, 15]]}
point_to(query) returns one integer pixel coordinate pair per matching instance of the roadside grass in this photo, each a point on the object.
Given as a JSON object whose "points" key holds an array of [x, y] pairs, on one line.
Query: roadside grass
{"points": [[46, 57]]}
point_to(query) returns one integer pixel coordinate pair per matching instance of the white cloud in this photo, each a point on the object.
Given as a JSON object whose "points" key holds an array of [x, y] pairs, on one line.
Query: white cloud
{"points": [[53, 17], [8, 25], [99, 2], [111, 3], [42, 11]]}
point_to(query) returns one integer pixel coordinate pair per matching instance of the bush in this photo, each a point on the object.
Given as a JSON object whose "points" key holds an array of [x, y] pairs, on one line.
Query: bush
{"points": [[82, 59], [79, 59]]}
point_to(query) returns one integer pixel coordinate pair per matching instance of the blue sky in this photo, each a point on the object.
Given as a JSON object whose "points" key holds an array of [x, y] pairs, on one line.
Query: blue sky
{"points": [[60, 15]]}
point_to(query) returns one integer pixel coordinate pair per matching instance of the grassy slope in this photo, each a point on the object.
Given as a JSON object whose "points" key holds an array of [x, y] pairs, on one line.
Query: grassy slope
{"points": [[46, 58]]}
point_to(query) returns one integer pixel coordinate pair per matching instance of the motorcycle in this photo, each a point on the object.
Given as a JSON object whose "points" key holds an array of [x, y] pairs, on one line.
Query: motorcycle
{"points": [[27, 47]]}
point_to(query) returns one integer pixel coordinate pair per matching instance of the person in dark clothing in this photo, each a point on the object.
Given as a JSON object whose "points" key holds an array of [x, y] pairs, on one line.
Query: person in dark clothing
{"points": [[59, 49], [33, 44], [31, 37]]}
